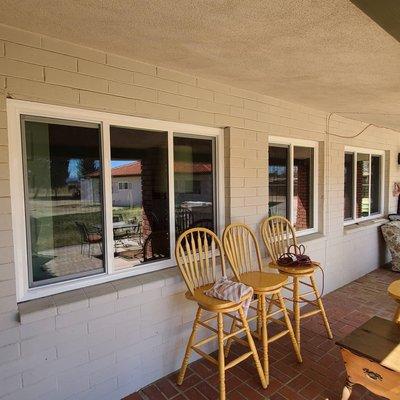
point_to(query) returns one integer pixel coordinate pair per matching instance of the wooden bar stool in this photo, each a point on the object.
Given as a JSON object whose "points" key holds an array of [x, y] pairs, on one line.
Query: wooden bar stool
{"points": [[278, 234], [243, 252], [197, 251], [394, 292]]}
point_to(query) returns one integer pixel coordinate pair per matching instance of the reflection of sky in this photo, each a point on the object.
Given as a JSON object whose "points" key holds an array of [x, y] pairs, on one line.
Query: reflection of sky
{"points": [[73, 168], [119, 163]]}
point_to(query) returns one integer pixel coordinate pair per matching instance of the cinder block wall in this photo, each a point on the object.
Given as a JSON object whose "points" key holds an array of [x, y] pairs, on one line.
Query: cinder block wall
{"points": [[107, 341]]}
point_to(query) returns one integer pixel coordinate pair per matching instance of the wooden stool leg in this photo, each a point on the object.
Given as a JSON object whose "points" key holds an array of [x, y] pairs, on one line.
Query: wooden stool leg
{"points": [[290, 328], [221, 356], [396, 318], [185, 360], [321, 307], [347, 390], [296, 308], [253, 348], [264, 336], [230, 340], [271, 304], [259, 330]]}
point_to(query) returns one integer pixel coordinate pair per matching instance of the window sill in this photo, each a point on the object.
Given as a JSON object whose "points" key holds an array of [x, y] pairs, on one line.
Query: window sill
{"points": [[90, 296], [310, 237], [364, 225]]}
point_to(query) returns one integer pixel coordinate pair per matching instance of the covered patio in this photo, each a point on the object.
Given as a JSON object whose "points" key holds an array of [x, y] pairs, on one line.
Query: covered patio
{"points": [[322, 374], [126, 127]]}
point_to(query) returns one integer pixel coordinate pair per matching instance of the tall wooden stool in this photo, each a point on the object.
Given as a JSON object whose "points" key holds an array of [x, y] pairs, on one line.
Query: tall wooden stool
{"points": [[243, 252], [278, 234], [197, 251], [394, 291]]}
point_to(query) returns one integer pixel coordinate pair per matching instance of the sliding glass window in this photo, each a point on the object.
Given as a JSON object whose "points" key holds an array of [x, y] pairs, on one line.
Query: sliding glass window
{"points": [[363, 184], [292, 181], [106, 197]]}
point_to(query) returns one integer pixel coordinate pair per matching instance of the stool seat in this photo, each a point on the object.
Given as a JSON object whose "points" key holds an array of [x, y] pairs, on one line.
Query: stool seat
{"points": [[212, 303], [299, 270], [263, 281], [394, 290]]}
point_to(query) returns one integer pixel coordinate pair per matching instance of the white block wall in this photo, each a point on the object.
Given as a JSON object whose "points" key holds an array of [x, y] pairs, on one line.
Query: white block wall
{"points": [[106, 342]]}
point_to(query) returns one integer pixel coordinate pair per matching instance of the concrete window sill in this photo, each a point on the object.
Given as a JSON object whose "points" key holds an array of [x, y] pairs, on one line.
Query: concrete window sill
{"points": [[88, 298], [365, 225]]}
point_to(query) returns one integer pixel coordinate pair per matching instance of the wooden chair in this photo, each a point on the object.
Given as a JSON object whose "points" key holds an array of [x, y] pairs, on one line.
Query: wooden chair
{"points": [[278, 234], [243, 252], [197, 251]]}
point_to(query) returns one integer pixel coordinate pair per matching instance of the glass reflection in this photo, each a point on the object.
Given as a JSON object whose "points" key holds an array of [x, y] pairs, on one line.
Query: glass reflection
{"points": [[139, 174], [348, 185], [375, 184], [362, 189], [194, 183], [63, 199], [278, 181]]}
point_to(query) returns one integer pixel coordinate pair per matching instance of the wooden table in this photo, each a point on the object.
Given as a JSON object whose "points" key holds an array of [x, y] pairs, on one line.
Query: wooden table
{"points": [[371, 354], [394, 291]]}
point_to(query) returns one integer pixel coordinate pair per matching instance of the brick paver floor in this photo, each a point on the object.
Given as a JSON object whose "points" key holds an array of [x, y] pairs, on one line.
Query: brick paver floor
{"points": [[322, 374]]}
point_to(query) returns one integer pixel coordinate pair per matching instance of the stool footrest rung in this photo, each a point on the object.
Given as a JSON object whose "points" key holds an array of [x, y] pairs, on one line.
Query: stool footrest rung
{"points": [[278, 336], [274, 313], [205, 355], [238, 360], [312, 302], [278, 321], [231, 335], [310, 313]]}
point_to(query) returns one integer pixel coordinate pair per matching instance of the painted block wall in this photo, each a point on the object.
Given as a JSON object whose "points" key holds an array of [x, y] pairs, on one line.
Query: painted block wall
{"points": [[107, 341]]}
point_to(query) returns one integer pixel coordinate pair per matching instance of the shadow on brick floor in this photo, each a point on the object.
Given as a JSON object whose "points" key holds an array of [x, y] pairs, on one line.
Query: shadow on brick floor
{"points": [[322, 374]]}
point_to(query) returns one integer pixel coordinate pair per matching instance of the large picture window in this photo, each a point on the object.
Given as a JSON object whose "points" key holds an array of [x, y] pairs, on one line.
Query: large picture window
{"points": [[363, 184], [292, 182], [98, 196]]}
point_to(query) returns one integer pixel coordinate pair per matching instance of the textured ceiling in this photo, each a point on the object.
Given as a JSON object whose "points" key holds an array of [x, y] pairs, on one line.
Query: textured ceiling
{"points": [[326, 54]]}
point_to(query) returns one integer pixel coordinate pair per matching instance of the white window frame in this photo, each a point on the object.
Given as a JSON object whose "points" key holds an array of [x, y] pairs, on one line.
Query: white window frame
{"points": [[291, 143], [16, 108], [370, 152]]}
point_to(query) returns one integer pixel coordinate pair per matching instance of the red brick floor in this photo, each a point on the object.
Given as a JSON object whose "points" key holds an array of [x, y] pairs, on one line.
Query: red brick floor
{"points": [[322, 374]]}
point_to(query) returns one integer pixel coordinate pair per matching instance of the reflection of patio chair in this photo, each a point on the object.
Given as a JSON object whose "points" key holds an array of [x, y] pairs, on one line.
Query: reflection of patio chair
{"points": [[204, 223], [183, 220], [89, 237], [117, 218], [156, 246]]}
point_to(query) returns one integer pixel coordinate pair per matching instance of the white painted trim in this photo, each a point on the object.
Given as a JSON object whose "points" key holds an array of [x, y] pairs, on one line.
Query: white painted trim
{"points": [[370, 152], [291, 143], [16, 108]]}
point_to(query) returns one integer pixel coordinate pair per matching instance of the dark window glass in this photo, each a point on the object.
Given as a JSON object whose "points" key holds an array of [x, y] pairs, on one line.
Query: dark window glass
{"points": [[375, 184], [194, 183], [63, 197], [139, 175], [348, 185], [278, 181], [362, 190], [303, 187]]}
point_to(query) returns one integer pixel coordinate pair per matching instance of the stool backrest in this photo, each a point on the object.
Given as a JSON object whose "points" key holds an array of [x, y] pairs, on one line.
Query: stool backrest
{"points": [[278, 234], [240, 245], [196, 253]]}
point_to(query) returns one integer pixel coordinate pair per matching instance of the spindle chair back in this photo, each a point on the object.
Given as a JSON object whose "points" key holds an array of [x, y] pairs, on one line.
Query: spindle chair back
{"points": [[241, 248], [197, 253], [278, 235]]}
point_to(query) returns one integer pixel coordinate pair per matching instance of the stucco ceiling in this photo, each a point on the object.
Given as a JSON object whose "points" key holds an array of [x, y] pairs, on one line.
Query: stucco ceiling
{"points": [[326, 54]]}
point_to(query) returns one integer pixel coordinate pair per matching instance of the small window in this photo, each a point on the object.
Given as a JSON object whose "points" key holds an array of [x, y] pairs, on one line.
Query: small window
{"points": [[363, 180], [292, 180]]}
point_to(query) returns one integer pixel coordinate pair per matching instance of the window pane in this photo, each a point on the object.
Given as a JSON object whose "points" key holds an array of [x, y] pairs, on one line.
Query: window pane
{"points": [[63, 200], [139, 175], [362, 185], [375, 184], [348, 185], [303, 187], [194, 183], [278, 181]]}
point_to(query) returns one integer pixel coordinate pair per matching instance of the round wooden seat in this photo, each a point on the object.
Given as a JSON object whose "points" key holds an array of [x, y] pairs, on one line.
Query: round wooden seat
{"points": [[394, 292], [300, 270], [211, 303], [263, 281]]}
